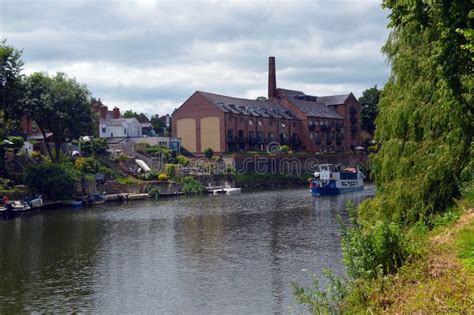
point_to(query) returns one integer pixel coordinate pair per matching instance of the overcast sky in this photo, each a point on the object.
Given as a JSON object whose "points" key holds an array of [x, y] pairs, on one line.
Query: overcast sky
{"points": [[150, 56]]}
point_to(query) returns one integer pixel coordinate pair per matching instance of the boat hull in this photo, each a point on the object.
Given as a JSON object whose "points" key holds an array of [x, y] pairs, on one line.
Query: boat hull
{"points": [[325, 191]]}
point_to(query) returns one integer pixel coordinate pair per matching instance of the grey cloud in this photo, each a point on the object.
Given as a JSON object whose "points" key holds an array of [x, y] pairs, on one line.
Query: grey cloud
{"points": [[317, 42]]}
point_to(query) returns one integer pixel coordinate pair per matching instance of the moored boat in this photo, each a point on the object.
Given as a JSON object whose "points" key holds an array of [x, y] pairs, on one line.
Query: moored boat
{"points": [[335, 179]]}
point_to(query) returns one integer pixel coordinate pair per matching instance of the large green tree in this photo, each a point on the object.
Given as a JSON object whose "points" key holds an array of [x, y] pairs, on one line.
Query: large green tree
{"points": [[10, 79], [369, 102], [425, 120], [59, 105]]}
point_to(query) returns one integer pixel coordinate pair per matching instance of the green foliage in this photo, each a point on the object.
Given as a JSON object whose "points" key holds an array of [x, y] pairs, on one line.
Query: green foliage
{"points": [[86, 165], [284, 149], [320, 301], [465, 245], [130, 114], [216, 158], [190, 186], [170, 169], [18, 142], [59, 105], [368, 102], [374, 250], [209, 153], [129, 180], [154, 191], [163, 176], [159, 151], [94, 146], [10, 73], [52, 180], [122, 158], [182, 160], [425, 121]]}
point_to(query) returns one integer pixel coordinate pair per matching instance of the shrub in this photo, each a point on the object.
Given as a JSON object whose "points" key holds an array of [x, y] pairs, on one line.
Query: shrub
{"points": [[51, 180], [182, 160], [191, 186], [209, 153], [129, 180], [162, 176], [170, 169], [154, 191], [122, 157], [86, 165], [284, 149], [216, 158], [35, 154], [373, 250]]}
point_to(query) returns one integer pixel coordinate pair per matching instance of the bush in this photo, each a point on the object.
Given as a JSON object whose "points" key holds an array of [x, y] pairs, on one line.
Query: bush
{"points": [[122, 158], [86, 165], [170, 169], [35, 154], [191, 186], [209, 153], [162, 176], [284, 149], [216, 158], [182, 160], [129, 180], [154, 191], [373, 250], [51, 180]]}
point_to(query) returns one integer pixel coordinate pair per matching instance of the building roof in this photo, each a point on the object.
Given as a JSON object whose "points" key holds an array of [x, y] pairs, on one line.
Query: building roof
{"points": [[248, 107], [333, 99], [315, 106], [118, 121]]}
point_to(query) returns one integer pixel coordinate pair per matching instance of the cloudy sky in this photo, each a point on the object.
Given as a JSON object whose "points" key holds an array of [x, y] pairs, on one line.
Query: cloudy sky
{"points": [[150, 56]]}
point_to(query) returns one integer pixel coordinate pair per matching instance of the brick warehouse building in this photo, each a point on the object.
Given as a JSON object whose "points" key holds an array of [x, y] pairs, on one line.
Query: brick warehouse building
{"points": [[303, 122]]}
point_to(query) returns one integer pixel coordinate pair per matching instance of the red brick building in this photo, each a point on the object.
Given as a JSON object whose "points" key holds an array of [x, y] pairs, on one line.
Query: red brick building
{"points": [[303, 122]]}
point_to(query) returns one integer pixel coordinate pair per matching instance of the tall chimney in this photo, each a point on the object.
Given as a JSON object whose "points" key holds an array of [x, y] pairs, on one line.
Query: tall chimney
{"points": [[272, 87]]}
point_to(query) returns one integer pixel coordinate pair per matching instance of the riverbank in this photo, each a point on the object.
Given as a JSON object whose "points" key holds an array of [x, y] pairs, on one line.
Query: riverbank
{"points": [[439, 280], [249, 181]]}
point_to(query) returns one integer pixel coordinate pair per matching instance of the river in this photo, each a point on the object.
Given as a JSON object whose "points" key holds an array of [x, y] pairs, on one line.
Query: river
{"points": [[191, 255]]}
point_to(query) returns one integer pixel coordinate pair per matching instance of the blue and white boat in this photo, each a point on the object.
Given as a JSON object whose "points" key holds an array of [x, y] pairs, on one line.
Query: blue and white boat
{"points": [[335, 179]]}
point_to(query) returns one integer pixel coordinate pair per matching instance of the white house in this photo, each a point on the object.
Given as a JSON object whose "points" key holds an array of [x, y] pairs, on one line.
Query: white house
{"points": [[120, 127]]}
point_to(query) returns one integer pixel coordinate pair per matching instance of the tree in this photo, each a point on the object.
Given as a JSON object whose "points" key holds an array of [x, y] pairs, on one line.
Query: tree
{"points": [[59, 105], [368, 102], [425, 121], [10, 79], [209, 153], [50, 179], [130, 114], [262, 98]]}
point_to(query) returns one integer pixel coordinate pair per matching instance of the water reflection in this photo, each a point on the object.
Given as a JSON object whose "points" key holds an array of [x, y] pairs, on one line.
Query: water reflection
{"points": [[213, 254]]}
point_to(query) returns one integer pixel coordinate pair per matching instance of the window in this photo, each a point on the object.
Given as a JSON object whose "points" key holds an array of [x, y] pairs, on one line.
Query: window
{"points": [[250, 122], [124, 131], [260, 123], [104, 129], [33, 128], [283, 125], [311, 136], [271, 136]]}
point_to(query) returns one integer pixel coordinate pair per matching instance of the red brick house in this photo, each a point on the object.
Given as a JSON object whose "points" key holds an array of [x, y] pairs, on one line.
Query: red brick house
{"points": [[303, 122]]}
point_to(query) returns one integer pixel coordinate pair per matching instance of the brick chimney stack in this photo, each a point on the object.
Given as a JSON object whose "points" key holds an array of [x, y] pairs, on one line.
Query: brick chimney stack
{"points": [[116, 113], [271, 78]]}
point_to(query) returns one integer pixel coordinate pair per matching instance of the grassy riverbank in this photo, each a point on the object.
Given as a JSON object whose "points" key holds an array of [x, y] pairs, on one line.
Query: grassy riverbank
{"points": [[439, 280]]}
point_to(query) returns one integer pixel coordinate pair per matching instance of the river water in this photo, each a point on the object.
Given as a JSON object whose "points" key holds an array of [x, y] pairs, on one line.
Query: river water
{"points": [[195, 255]]}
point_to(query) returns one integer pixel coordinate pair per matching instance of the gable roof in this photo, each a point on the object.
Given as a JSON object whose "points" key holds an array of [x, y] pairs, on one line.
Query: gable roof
{"points": [[248, 107]]}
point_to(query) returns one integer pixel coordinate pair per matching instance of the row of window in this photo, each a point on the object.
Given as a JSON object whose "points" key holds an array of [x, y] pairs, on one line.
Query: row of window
{"points": [[260, 123]]}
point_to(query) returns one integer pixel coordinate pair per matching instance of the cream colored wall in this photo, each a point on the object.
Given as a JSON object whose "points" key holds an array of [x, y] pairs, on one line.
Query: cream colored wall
{"points": [[210, 134], [186, 130]]}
